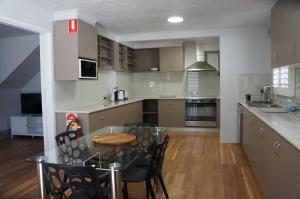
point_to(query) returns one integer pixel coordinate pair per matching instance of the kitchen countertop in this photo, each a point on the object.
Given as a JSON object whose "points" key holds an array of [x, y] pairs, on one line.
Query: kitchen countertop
{"points": [[100, 107], [287, 125]]}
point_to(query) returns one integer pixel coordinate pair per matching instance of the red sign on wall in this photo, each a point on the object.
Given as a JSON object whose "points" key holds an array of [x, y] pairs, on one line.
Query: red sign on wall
{"points": [[73, 26]]}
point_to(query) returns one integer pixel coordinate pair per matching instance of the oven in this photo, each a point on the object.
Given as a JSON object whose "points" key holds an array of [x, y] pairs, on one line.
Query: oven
{"points": [[201, 112]]}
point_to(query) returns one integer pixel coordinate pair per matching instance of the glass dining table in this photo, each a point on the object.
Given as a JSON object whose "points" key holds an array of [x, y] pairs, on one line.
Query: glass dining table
{"points": [[114, 158]]}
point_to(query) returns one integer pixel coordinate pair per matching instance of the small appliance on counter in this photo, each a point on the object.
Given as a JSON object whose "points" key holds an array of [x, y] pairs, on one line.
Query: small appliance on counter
{"points": [[121, 95], [116, 93], [248, 97], [126, 95]]}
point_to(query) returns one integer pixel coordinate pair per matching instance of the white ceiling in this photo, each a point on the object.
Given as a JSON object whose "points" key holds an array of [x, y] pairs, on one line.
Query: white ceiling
{"points": [[10, 31], [173, 42], [137, 16]]}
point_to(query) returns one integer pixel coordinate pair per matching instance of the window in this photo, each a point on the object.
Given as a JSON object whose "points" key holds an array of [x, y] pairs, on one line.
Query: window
{"points": [[281, 77], [283, 81]]}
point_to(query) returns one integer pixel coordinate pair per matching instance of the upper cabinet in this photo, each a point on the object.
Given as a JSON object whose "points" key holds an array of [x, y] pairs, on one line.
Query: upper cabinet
{"points": [[106, 52], [171, 59], [146, 59], [285, 26], [68, 48], [87, 41]]}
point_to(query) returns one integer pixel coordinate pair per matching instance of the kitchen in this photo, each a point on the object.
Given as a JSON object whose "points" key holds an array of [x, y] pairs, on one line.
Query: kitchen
{"points": [[222, 82], [188, 88]]}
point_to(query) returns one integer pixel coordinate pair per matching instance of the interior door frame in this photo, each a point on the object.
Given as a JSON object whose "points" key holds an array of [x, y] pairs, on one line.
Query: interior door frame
{"points": [[47, 77]]}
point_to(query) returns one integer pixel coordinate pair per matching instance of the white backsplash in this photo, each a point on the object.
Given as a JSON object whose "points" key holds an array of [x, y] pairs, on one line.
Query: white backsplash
{"points": [[86, 92], [138, 85], [252, 83], [172, 84]]}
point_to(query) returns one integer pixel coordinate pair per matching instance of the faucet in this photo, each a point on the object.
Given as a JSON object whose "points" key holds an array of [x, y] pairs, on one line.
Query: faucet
{"points": [[269, 94]]}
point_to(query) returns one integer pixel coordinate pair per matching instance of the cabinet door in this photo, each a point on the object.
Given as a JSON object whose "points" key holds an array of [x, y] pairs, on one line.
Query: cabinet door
{"points": [[165, 55], [18, 125], [264, 169], [65, 52], [171, 59], [87, 41], [282, 153], [99, 120], [273, 164], [171, 113], [146, 59], [285, 28], [279, 41], [295, 173], [177, 59]]}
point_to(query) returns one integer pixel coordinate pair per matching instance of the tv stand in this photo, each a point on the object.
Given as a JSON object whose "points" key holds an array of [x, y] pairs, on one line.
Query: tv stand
{"points": [[26, 125]]}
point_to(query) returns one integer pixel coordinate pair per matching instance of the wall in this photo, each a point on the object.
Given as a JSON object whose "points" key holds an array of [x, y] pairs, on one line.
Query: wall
{"points": [[33, 85], [158, 84], [13, 51], [87, 92], [172, 84], [10, 105], [252, 84], [243, 51]]}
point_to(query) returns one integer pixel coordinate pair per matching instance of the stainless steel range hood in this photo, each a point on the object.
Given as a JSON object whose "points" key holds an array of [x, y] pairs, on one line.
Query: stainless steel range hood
{"points": [[200, 64]]}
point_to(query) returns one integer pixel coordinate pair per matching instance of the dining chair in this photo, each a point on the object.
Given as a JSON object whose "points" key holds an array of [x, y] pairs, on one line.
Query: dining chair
{"points": [[72, 151], [146, 172], [68, 182]]}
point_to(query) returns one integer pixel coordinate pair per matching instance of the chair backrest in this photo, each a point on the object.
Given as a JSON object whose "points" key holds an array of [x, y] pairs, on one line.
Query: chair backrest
{"points": [[158, 156], [144, 136], [67, 136], [65, 182], [72, 150]]}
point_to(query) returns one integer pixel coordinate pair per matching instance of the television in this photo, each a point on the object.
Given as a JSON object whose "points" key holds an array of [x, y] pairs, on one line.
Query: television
{"points": [[31, 103]]}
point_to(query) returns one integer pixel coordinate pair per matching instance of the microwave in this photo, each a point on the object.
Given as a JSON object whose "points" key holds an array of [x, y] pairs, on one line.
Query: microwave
{"points": [[88, 69]]}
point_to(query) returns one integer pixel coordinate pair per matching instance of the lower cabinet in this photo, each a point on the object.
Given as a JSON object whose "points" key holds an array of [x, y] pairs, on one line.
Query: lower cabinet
{"points": [[271, 158], [117, 116], [129, 113], [171, 112]]}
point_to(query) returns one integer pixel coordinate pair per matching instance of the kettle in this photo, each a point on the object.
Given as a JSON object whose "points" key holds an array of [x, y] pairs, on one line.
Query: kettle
{"points": [[121, 95]]}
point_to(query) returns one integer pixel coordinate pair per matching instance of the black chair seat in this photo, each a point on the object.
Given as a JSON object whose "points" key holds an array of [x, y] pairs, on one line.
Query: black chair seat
{"points": [[146, 168], [134, 174]]}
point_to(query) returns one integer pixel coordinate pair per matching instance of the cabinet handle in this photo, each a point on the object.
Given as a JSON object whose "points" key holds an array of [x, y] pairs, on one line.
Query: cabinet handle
{"points": [[292, 49], [278, 148], [261, 132], [274, 144], [102, 118], [275, 56]]}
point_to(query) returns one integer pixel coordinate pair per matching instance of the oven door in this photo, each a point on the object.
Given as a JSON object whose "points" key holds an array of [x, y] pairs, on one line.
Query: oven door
{"points": [[88, 69], [201, 113]]}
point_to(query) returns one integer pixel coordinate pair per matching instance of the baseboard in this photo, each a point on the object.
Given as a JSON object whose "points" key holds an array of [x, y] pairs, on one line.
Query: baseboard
{"points": [[4, 134], [193, 129]]}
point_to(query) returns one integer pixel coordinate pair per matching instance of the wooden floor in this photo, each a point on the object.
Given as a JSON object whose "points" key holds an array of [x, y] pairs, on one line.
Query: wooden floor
{"points": [[18, 178], [197, 166]]}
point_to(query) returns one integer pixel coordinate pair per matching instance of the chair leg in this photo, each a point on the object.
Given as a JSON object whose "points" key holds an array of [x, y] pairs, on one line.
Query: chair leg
{"points": [[163, 185], [125, 191], [147, 190], [150, 188]]}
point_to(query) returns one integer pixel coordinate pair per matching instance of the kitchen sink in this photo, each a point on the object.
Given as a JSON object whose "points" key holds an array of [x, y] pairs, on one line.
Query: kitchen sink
{"points": [[261, 104]]}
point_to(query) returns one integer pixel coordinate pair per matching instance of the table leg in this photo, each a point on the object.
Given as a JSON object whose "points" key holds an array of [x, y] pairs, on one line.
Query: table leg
{"points": [[116, 182], [40, 177]]}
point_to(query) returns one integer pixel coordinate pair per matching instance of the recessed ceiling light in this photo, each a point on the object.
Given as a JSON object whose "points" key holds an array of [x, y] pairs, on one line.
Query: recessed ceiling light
{"points": [[175, 19]]}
